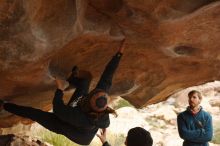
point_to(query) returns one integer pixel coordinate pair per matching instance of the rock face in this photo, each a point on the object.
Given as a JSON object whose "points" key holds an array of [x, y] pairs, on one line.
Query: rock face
{"points": [[170, 45], [13, 140]]}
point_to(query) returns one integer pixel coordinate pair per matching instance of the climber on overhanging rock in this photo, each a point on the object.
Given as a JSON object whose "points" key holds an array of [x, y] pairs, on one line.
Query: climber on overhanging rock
{"points": [[80, 120]]}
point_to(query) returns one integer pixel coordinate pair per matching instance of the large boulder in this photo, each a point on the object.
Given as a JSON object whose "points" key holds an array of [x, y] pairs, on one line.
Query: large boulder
{"points": [[18, 140], [170, 45]]}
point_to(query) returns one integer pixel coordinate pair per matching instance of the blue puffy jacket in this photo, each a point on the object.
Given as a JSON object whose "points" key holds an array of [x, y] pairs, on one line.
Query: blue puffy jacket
{"points": [[195, 130]]}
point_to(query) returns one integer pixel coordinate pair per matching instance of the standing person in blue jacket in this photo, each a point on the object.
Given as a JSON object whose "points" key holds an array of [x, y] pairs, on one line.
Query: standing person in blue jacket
{"points": [[195, 124], [80, 121]]}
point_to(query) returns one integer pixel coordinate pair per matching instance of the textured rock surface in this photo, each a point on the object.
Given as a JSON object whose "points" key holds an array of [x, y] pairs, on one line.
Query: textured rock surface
{"points": [[13, 140], [171, 45]]}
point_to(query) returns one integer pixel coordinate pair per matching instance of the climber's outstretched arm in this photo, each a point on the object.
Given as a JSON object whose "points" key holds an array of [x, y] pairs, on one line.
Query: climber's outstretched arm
{"points": [[105, 81]]}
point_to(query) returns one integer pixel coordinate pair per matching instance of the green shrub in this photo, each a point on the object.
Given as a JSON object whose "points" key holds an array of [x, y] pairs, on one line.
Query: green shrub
{"points": [[122, 103], [55, 139], [116, 139], [113, 139]]}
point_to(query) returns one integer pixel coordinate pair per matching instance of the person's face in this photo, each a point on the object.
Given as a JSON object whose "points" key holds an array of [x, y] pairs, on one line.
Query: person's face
{"points": [[194, 100]]}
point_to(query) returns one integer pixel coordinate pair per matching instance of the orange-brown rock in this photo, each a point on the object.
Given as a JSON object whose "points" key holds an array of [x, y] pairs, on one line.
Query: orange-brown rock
{"points": [[24, 140], [170, 45]]}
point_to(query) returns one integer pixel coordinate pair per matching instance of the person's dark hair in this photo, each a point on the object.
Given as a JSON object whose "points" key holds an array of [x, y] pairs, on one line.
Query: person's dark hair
{"points": [[111, 111], [193, 92], [139, 137]]}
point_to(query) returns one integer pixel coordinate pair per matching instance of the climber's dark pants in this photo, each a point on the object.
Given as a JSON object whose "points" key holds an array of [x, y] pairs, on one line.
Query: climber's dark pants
{"points": [[51, 122], [47, 119]]}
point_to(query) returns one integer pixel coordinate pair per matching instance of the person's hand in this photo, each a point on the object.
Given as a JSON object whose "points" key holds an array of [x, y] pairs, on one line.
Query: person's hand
{"points": [[61, 84], [102, 135], [122, 46]]}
